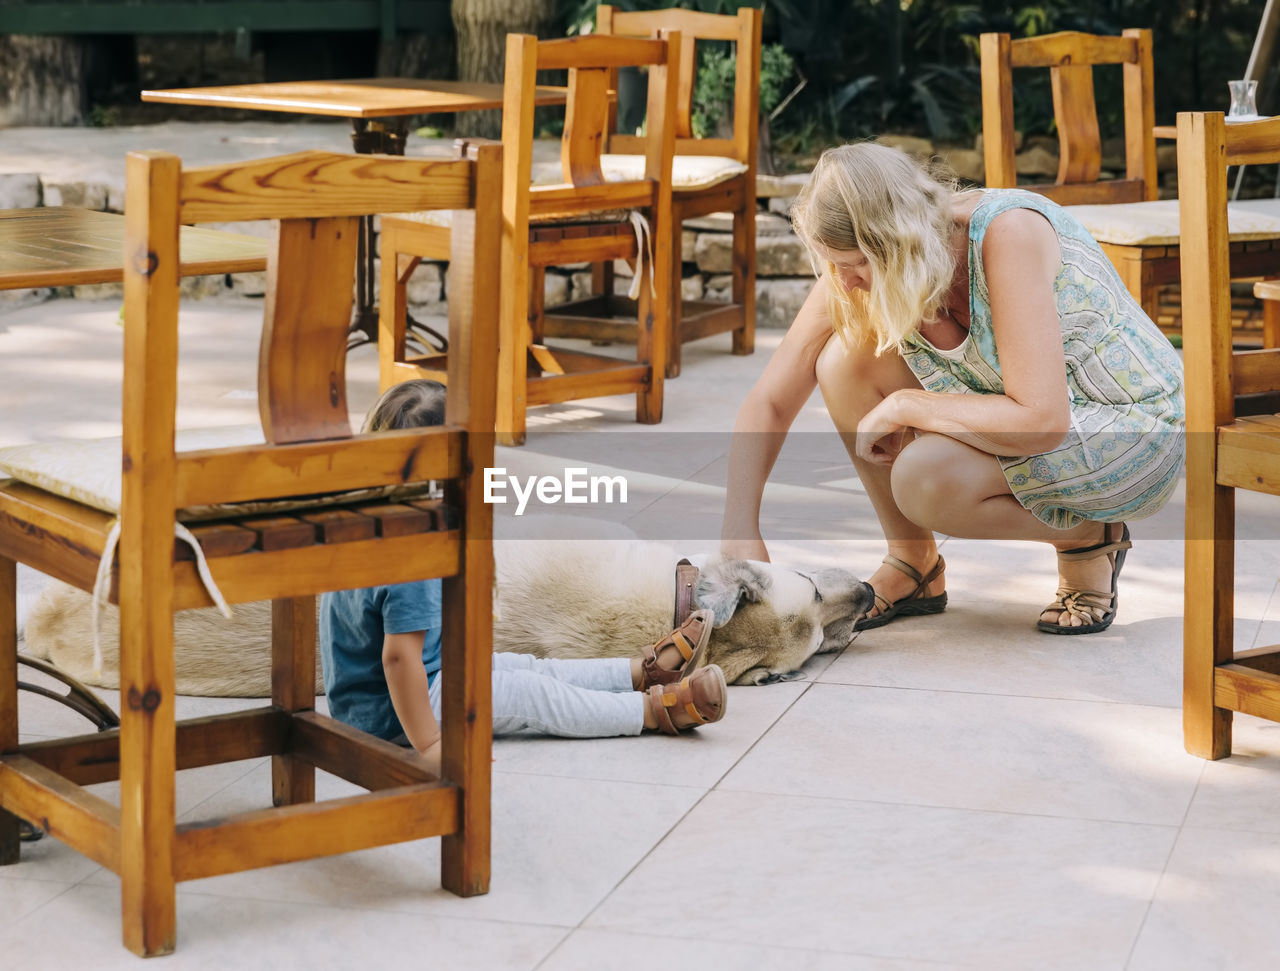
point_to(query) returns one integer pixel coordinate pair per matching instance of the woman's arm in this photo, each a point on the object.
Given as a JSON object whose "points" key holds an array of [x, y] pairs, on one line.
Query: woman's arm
{"points": [[407, 682], [763, 420], [1021, 259]]}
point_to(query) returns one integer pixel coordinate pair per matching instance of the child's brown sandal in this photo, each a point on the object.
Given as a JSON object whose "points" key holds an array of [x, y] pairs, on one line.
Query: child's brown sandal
{"points": [[690, 639], [699, 699]]}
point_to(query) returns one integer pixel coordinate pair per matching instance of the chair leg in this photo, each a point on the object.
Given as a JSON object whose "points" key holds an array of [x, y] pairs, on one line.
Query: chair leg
{"points": [[8, 694], [654, 343], [744, 275], [293, 688], [393, 308], [1207, 624], [1271, 323], [467, 718], [675, 280], [147, 758]]}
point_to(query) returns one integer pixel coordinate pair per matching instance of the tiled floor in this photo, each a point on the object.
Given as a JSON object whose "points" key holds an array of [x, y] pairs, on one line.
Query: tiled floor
{"points": [[951, 791]]}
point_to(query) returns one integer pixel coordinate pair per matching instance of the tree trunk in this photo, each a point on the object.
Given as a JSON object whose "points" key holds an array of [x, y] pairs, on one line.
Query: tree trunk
{"points": [[482, 27], [42, 81]]}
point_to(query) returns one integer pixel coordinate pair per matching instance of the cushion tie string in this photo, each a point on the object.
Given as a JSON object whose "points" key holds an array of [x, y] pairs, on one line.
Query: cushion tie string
{"points": [[644, 244], [102, 582]]}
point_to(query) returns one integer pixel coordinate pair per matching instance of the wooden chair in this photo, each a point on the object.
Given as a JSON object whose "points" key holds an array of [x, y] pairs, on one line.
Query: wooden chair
{"points": [[304, 448], [1225, 451], [1137, 231], [709, 174], [570, 216]]}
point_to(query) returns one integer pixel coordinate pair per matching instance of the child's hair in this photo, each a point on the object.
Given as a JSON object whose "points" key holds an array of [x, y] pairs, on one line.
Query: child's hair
{"points": [[410, 404], [880, 201]]}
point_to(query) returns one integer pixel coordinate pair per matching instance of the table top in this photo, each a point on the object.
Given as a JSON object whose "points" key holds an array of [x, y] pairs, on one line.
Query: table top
{"points": [[63, 246], [356, 98]]}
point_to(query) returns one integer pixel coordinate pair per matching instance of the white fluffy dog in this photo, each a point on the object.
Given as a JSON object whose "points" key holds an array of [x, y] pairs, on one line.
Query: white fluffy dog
{"points": [[555, 598]]}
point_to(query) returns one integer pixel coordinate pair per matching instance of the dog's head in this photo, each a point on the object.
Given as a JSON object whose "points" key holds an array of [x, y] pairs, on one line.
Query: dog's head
{"points": [[769, 620]]}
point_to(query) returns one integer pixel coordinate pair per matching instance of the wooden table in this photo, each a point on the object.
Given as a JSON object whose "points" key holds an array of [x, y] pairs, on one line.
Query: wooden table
{"points": [[57, 246], [379, 110]]}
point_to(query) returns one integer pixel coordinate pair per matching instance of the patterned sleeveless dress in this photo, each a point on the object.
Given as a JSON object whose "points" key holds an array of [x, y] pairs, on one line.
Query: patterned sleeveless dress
{"points": [[1122, 457]]}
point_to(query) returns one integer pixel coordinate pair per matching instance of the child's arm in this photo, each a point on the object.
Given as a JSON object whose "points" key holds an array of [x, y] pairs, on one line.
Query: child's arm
{"points": [[408, 685]]}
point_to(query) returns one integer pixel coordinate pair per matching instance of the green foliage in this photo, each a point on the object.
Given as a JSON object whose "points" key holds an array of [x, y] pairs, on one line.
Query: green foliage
{"points": [[713, 87]]}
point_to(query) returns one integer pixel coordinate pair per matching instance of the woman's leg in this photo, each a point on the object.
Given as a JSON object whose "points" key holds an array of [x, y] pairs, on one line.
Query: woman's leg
{"points": [[959, 490], [853, 381]]}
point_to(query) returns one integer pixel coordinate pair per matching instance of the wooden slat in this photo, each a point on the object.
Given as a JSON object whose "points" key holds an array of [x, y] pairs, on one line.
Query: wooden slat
{"points": [[1079, 144], [1140, 114], [694, 23], [303, 832], [211, 740], [567, 201], [704, 318], [1249, 460], [340, 525], [597, 51], [1260, 659], [85, 822], [443, 515], [586, 115], [314, 184], [295, 573], [223, 539], [594, 249], [399, 519], [1245, 689], [549, 389], [1072, 47], [997, 111], [351, 754], [1255, 371], [1093, 193], [49, 552], [280, 532], [1252, 142], [9, 850], [261, 472], [302, 386]]}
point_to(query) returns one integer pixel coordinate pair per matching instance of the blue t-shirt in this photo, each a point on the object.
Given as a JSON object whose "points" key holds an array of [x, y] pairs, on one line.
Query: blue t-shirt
{"points": [[352, 626]]}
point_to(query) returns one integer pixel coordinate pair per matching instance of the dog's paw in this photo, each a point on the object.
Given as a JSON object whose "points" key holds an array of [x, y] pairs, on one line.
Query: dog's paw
{"points": [[765, 676]]}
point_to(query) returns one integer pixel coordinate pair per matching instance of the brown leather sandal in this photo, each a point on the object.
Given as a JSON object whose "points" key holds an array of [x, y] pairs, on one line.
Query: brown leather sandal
{"points": [[699, 699], [690, 639], [914, 604]]}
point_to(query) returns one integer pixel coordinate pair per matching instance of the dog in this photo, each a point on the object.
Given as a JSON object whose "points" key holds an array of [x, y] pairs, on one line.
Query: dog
{"points": [[555, 598]]}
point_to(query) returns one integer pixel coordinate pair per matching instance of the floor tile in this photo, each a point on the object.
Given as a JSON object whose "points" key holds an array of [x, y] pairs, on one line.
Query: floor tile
{"points": [[592, 950], [897, 882], [1243, 791], [216, 933], [1215, 906], [1017, 755], [21, 897], [559, 846]]}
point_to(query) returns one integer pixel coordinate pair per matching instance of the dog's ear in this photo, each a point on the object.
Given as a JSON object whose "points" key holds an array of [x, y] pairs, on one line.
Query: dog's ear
{"points": [[723, 584]]}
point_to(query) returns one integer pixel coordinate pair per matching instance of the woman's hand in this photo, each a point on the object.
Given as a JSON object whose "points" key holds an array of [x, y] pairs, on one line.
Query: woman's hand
{"points": [[881, 436]]}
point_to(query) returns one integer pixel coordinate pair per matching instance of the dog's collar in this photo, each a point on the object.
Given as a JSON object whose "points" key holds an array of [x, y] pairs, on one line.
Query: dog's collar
{"points": [[686, 580]]}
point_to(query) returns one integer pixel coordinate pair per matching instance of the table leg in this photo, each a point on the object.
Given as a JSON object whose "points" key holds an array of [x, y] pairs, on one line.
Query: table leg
{"points": [[377, 137]]}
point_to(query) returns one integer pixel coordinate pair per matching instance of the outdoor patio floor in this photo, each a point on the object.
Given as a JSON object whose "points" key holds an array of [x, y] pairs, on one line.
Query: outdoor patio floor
{"points": [[950, 791]]}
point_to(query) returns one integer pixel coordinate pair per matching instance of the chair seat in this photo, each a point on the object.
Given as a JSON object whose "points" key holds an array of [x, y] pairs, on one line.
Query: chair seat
{"points": [[1155, 223], [688, 172], [444, 218], [87, 471]]}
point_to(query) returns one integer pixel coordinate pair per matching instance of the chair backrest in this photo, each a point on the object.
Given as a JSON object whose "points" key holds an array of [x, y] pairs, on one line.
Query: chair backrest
{"points": [[1215, 374], [318, 199], [742, 30], [589, 60], [1070, 57]]}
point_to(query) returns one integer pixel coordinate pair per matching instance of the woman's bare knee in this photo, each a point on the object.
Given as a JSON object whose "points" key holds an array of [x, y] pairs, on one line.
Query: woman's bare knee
{"points": [[936, 478]]}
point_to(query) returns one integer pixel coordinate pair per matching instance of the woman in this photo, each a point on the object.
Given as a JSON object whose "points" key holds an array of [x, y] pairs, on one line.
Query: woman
{"points": [[988, 372]]}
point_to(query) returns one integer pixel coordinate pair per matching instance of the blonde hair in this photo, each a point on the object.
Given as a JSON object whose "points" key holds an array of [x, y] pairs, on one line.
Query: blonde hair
{"points": [[410, 404], [878, 200]]}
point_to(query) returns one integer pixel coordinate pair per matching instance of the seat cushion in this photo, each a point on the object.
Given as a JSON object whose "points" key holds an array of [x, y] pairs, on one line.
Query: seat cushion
{"points": [[1156, 223], [687, 171], [88, 471]]}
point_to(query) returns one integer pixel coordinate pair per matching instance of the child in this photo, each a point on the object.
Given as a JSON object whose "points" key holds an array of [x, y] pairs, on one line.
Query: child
{"points": [[380, 649]]}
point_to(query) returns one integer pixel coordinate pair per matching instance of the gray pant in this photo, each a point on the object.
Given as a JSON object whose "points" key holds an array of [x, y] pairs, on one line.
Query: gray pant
{"points": [[588, 698]]}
